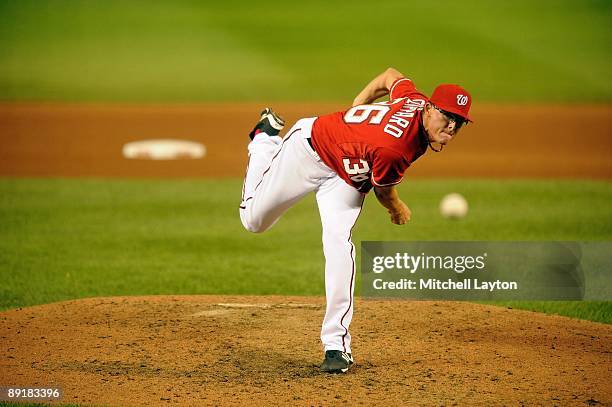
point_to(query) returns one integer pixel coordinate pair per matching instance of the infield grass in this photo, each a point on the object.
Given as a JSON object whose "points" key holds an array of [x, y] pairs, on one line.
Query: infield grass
{"points": [[168, 51], [72, 238]]}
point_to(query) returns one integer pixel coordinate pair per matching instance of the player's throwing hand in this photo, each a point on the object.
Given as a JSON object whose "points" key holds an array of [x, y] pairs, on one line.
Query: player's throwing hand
{"points": [[401, 214]]}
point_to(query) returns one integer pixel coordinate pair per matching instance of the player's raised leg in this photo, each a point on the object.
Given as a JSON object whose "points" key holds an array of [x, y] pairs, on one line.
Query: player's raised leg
{"points": [[278, 174], [339, 207], [265, 144]]}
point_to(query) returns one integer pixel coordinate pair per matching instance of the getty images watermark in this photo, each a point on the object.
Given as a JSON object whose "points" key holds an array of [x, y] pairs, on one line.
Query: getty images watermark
{"points": [[457, 264], [487, 270]]}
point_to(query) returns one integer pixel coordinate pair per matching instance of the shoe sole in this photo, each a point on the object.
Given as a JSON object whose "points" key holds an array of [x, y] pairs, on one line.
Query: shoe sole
{"points": [[336, 370], [273, 122]]}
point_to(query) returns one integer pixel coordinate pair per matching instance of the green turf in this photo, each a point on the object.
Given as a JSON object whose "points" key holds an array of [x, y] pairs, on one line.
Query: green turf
{"points": [[72, 238], [600, 311], [163, 51]]}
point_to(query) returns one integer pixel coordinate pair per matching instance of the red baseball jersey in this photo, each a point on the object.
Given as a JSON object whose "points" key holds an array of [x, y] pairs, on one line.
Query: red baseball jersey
{"points": [[372, 145]]}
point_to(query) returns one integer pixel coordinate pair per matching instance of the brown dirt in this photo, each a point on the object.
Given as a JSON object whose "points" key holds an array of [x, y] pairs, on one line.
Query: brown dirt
{"points": [[211, 350], [86, 140]]}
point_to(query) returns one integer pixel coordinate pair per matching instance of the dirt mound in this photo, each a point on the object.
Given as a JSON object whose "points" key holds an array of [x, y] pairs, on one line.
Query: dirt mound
{"points": [[197, 350]]}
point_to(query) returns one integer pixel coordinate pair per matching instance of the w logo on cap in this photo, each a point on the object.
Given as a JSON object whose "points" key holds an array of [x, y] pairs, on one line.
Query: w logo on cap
{"points": [[462, 100]]}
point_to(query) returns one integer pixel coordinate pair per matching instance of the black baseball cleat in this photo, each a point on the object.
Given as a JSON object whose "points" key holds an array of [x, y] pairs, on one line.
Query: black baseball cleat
{"points": [[269, 123], [336, 361]]}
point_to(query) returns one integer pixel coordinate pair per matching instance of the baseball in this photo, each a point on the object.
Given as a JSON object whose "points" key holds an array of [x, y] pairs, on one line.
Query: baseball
{"points": [[453, 206]]}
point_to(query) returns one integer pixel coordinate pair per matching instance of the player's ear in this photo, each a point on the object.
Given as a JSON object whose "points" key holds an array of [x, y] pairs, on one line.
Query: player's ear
{"points": [[426, 114]]}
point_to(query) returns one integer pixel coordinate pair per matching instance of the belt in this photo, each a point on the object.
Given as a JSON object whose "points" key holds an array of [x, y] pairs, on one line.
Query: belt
{"points": [[309, 140]]}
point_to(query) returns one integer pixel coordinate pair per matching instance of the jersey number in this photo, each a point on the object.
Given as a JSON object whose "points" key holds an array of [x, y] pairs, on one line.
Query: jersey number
{"points": [[361, 113], [357, 170]]}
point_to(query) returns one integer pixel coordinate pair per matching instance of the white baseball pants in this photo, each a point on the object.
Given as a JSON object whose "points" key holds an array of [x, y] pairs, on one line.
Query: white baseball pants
{"points": [[280, 172]]}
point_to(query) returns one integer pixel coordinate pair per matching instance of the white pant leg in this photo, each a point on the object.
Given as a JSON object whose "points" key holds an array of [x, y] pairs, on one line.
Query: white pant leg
{"points": [[279, 174], [339, 207]]}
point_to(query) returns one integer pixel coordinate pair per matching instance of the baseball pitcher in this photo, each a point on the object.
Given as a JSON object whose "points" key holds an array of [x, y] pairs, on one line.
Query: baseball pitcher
{"points": [[340, 157]]}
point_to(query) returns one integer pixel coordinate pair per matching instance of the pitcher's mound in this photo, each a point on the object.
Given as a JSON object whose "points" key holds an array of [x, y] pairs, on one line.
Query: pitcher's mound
{"points": [[199, 350]]}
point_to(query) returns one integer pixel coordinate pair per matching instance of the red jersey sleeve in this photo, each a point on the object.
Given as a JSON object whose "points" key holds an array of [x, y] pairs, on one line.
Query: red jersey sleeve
{"points": [[401, 88], [388, 168]]}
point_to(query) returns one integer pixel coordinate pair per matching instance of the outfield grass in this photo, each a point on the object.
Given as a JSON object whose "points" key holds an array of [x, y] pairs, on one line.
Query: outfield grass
{"points": [[71, 238], [165, 51]]}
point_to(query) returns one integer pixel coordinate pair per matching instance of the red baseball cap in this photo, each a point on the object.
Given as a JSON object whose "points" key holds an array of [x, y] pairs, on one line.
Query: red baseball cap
{"points": [[453, 99]]}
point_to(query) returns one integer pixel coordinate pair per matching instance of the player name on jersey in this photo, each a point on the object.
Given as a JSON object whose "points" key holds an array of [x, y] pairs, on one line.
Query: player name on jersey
{"points": [[399, 121]]}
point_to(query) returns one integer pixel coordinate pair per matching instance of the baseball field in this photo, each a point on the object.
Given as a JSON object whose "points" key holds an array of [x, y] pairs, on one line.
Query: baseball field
{"points": [[133, 282]]}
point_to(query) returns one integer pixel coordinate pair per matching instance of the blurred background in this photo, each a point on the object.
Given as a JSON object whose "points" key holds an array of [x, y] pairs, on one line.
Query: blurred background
{"points": [[193, 51], [80, 79]]}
